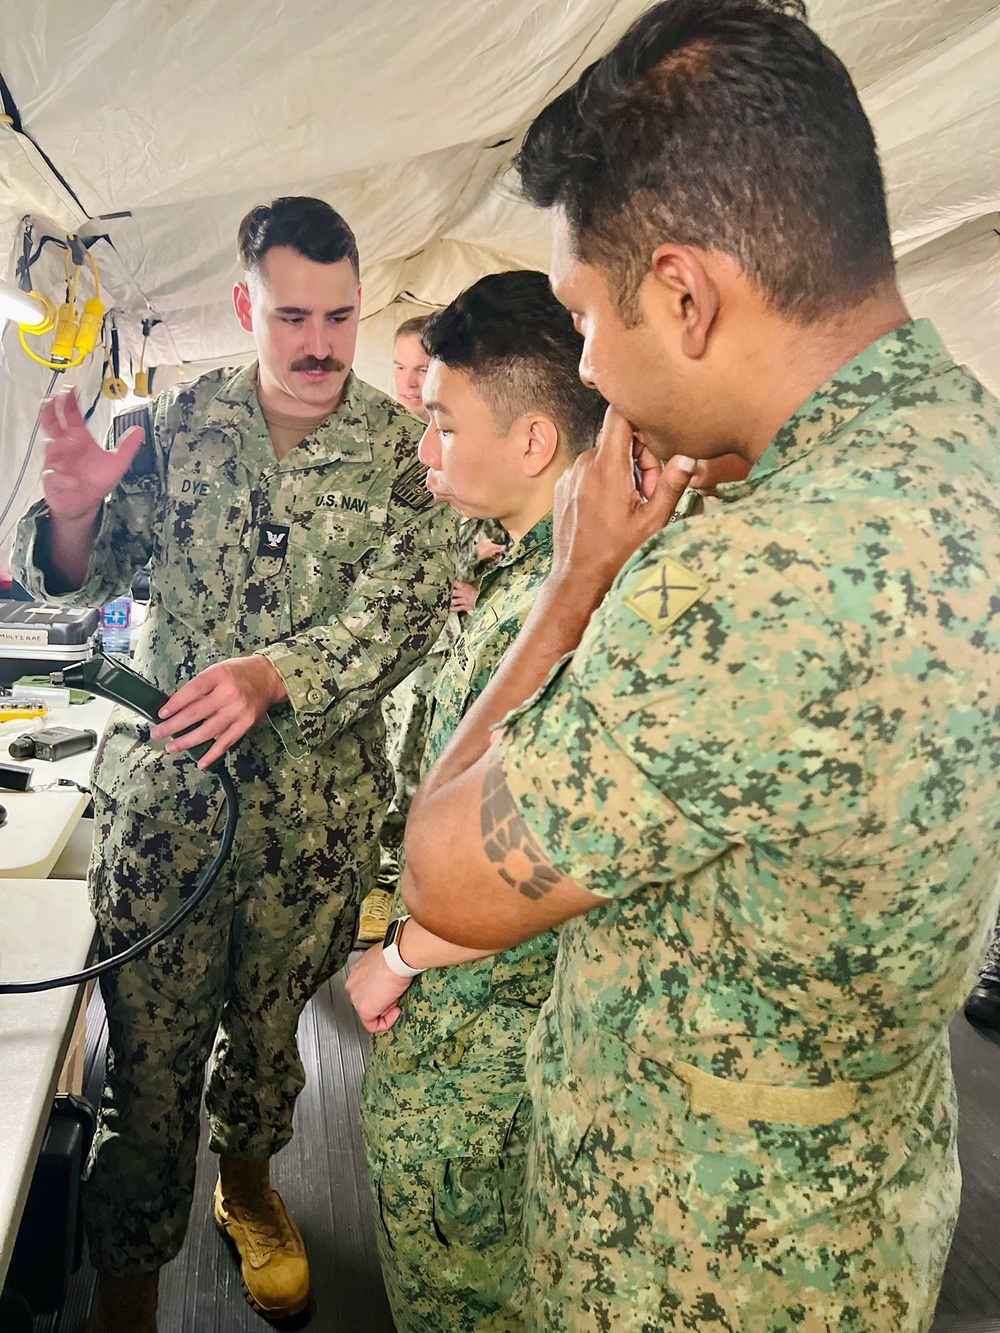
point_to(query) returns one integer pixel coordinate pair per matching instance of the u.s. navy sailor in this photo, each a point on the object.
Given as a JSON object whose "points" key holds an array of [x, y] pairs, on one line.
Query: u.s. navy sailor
{"points": [[299, 569]]}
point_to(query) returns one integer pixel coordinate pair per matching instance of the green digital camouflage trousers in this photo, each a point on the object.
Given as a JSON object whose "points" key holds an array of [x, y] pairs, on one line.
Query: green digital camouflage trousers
{"points": [[231, 985], [449, 1238], [649, 1213]]}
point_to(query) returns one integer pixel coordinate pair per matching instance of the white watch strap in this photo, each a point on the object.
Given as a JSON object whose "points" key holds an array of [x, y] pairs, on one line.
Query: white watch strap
{"points": [[393, 958]]}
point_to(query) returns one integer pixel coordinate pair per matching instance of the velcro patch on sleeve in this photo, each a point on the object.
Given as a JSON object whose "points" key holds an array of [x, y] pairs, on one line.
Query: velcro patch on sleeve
{"points": [[664, 593], [144, 463], [410, 489]]}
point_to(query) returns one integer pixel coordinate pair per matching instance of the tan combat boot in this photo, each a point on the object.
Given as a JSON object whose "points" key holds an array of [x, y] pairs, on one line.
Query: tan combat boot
{"points": [[125, 1305], [376, 913], [252, 1217]]}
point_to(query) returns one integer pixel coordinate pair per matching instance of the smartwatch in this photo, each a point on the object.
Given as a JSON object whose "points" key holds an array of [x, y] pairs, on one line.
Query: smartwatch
{"points": [[391, 956]]}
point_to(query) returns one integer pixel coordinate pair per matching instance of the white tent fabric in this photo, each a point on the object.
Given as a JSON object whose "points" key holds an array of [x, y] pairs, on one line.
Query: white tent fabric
{"points": [[166, 123]]}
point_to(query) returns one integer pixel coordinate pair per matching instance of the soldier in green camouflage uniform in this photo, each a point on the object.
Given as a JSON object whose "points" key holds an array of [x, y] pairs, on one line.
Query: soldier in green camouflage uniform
{"points": [[406, 709], [333, 564], [445, 1112], [748, 762], [761, 1092]]}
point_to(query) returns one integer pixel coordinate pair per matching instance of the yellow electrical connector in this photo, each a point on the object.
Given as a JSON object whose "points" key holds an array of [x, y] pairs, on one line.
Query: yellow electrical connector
{"points": [[75, 335], [140, 380], [90, 326], [64, 339]]}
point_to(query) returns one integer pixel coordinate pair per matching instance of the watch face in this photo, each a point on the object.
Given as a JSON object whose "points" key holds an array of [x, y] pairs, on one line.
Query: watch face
{"points": [[391, 933]]}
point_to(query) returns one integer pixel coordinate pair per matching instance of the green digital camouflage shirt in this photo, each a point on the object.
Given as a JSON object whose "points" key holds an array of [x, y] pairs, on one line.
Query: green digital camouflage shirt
{"points": [[774, 753], [470, 568], [446, 1080], [333, 562]]}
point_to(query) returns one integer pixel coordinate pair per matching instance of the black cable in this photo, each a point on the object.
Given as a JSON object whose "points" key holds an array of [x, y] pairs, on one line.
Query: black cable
{"points": [[169, 926], [10, 107], [97, 398]]}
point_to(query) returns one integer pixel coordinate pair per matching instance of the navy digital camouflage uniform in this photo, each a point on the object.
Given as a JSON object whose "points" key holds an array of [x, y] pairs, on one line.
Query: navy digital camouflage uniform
{"points": [[336, 565], [774, 753], [445, 1111], [406, 709]]}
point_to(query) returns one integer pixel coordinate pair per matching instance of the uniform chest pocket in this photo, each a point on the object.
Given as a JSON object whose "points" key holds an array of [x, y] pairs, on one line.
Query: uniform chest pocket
{"points": [[195, 573], [326, 560], [479, 633]]}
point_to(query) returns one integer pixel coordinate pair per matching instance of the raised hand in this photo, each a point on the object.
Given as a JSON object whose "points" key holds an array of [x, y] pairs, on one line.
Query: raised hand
{"points": [[77, 473]]}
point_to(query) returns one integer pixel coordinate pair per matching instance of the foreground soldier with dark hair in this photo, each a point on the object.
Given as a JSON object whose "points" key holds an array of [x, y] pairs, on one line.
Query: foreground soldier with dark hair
{"points": [[759, 787]]}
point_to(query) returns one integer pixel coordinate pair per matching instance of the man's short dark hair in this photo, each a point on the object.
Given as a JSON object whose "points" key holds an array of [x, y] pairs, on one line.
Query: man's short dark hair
{"points": [[309, 226], [415, 324], [521, 351], [726, 125]]}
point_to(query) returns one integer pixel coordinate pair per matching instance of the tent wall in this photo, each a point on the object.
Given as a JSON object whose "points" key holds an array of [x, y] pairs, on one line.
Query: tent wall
{"points": [[167, 122]]}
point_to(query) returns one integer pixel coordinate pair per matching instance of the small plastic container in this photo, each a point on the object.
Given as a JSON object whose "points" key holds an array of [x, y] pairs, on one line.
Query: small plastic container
{"points": [[52, 696]]}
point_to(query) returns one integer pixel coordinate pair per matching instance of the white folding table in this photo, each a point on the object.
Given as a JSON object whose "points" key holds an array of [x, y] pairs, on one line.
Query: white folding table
{"points": [[46, 929]]}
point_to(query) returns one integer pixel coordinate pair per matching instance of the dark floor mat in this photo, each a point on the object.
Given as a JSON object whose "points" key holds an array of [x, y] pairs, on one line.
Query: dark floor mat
{"points": [[322, 1175], [970, 1294]]}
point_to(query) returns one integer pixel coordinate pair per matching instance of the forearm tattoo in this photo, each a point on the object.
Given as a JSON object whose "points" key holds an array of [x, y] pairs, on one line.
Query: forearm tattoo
{"points": [[507, 840]]}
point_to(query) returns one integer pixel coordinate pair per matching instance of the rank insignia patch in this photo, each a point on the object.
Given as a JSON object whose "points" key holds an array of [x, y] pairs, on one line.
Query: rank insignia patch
{"points": [[410, 489], [664, 593], [273, 540]]}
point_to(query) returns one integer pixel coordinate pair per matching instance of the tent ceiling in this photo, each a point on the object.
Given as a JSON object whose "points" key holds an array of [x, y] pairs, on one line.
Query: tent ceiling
{"points": [[874, 38], [185, 114]]}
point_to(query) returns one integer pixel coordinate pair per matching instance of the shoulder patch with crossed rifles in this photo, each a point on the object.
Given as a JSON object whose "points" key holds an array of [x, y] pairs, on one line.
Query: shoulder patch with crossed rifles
{"points": [[665, 592]]}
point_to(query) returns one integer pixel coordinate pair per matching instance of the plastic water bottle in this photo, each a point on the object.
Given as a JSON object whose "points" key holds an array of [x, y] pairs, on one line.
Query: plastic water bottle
{"points": [[116, 627]]}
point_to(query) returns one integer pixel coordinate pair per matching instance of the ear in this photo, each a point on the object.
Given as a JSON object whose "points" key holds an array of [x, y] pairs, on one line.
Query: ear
{"points": [[244, 310], [687, 294], [540, 445]]}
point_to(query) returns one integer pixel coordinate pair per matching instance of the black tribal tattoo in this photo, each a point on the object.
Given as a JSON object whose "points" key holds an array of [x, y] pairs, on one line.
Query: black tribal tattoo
{"points": [[507, 839]]}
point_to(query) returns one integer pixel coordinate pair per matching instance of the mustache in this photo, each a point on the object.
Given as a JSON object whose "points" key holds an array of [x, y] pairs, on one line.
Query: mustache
{"points": [[329, 363]]}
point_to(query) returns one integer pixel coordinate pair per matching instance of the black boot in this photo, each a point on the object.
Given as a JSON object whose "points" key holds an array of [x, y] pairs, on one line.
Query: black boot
{"points": [[983, 1004]]}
